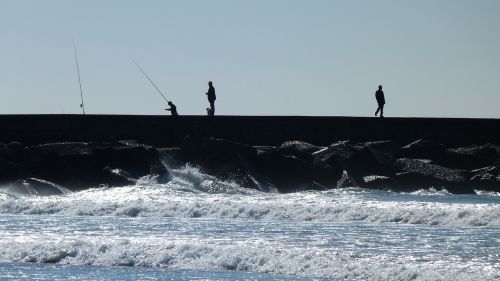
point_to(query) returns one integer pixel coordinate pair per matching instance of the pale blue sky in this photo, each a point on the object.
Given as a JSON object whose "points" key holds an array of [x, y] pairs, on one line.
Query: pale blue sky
{"points": [[266, 57]]}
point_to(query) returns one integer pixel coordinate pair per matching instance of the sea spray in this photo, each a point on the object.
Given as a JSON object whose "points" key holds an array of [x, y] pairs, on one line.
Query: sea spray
{"points": [[198, 222], [308, 249], [191, 193]]}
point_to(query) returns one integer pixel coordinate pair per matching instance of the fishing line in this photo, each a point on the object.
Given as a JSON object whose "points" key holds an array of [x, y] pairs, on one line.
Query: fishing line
{"points": [[82, 104], [151, 81]]}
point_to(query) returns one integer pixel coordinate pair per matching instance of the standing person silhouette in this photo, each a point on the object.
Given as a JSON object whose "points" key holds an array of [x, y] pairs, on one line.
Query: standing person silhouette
{"points": [[211, 98], [379, 95]]}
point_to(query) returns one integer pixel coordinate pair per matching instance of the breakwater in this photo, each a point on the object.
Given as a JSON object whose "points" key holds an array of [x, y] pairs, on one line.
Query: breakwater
{"points": [[253, 130]]}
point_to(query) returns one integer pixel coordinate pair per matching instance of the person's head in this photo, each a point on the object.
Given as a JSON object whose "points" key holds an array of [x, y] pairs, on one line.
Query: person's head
{"points": [[170, 103], [209, 83], [380, 87]]}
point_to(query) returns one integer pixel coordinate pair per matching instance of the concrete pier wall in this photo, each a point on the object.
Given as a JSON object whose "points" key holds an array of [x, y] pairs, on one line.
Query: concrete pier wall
{"points": [[254, 130]]}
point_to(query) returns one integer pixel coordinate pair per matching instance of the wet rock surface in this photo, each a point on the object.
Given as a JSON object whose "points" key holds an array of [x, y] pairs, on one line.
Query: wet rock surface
{"points": [[384, 165], [422, 173], [289, 167], [380, 165], [76, 166]]}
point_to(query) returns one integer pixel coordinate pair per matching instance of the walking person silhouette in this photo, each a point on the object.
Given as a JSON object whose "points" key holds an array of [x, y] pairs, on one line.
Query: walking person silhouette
{"points": [[379, 95]]}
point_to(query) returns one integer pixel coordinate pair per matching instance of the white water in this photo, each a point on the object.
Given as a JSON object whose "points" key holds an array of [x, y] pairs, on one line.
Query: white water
{"points": [[196, 222]]}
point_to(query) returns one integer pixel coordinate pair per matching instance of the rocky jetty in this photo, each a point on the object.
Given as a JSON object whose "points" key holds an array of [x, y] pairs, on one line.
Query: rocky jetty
{"points": [[59, 167], [384, 165], [55, 168]]}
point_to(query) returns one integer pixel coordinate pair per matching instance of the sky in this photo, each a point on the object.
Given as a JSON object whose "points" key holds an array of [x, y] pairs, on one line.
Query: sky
{"points": [[434, 58]]}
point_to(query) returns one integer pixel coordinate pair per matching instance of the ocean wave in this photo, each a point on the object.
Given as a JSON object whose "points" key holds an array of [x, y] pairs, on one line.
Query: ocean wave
{"points": [[488, 193], [314, 262], [191, 193], [160, 201]]}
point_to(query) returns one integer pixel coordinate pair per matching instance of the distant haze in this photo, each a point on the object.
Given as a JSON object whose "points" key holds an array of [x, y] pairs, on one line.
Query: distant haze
{"points": [[435, 58]]}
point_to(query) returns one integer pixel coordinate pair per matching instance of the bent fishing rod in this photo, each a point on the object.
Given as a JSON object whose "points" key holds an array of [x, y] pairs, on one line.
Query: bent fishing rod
{"points": [[82, 104], [151, 81]]}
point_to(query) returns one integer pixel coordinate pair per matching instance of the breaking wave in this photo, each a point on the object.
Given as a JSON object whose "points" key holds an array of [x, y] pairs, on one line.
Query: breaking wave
{"points": [[297, 262], [191, 193]]}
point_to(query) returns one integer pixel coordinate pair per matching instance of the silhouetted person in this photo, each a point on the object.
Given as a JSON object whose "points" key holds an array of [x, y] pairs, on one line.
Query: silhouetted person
{"points": [[379, 95], [172, 109], [211, 97]]}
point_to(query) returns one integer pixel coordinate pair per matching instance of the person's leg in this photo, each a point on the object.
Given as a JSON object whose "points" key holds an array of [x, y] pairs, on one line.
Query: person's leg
{"points": [[376, 112], [382, 110], [212, 107]]}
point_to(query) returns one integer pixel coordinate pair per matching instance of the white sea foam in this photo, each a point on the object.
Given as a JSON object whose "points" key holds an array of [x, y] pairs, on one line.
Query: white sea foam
{"points": [[194, 194], [346, 233], [311, 262]]}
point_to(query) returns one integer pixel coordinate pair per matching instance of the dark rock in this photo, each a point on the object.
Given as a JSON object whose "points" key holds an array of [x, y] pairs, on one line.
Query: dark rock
{"points": [[214, 145], [72, 170], [425, 175], [293, 166], [326, 174], [413, 181], [119, 177], [172, 156], [14, 152], [133, 143], [196, 149], [422, 149], [103, 145], [96, 166], [497, 149], [224, 159], [471, 157], [66, 148], [386, 146], [79, 165], [33, 186], [491, 170], [15, 147], [484, 152], [299, 149], [486, 179], [428, 169], [318, 174], [383, 156], [344, 181], [379, 182], [344, 156], [286, 173], [230, 161], [358, 161], [137, 161], [10, 171], [191, 148]]}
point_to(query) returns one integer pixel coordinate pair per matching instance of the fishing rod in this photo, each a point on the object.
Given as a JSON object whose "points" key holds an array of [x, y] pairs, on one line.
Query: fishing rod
{"points": [[151, 81], [82, 104]]}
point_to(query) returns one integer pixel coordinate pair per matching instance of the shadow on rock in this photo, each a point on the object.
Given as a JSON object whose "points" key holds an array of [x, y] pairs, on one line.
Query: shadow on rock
{"points": [[419, 174], [78, 166]]}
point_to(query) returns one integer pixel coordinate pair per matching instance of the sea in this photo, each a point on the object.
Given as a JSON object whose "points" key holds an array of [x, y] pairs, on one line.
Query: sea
{"points": [[196, 227]]}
